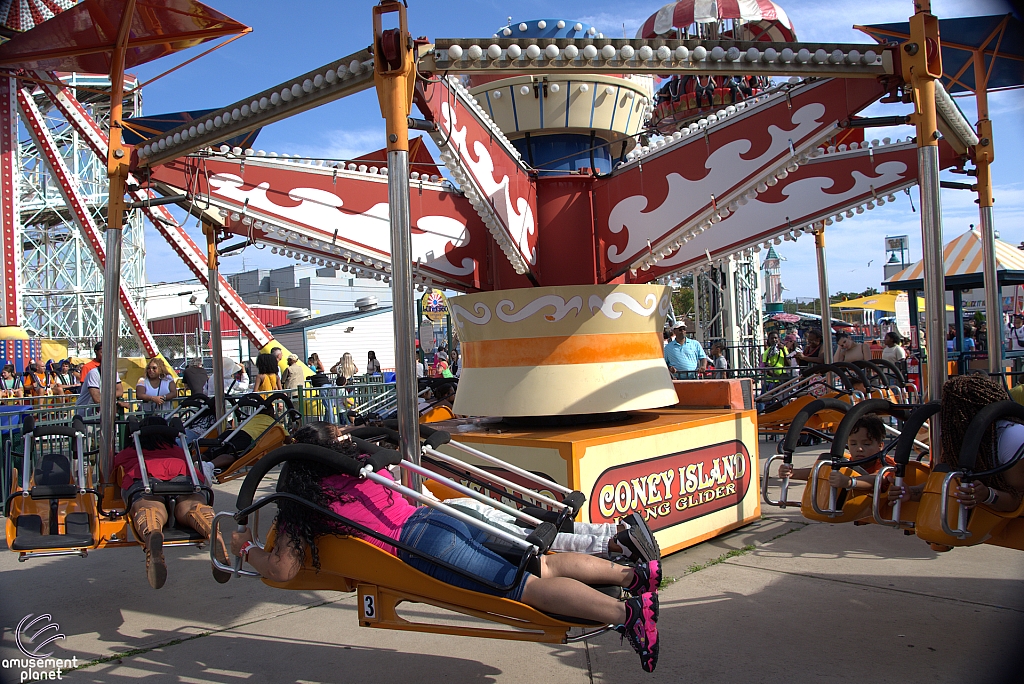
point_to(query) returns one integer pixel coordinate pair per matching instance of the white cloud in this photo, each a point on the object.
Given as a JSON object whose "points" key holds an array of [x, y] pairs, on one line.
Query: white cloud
{"points": [[341, 143]]}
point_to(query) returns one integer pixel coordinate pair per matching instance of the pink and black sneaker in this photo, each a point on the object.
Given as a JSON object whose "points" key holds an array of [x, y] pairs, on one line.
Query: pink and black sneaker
{"points": [[646, 578], [641, 629]]}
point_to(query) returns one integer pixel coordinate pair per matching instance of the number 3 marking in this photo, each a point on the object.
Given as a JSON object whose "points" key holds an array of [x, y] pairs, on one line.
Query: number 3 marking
{"points": [[368, 609]]}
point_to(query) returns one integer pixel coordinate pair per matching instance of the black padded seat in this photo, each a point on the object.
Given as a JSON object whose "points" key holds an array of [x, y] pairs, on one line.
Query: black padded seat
{"points": [[29, 536], [54, 469]]}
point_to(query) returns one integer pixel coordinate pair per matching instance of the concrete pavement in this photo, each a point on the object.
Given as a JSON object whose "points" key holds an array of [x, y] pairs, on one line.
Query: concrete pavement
{"points": [[782, 599]]}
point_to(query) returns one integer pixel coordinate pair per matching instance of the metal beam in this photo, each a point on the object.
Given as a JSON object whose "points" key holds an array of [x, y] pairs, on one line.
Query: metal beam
{"points": [[657, 56], [162, 220], [330, 82], [10, 297], [76, 203]]}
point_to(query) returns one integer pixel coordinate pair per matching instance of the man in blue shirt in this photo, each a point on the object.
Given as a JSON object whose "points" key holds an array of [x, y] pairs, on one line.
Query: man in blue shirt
{"points": [[683, 355]]}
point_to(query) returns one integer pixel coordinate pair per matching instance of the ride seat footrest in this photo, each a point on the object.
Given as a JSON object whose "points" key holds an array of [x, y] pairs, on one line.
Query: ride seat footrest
{"points": [[29, 536], [543, 537], [62, 491], [168, 488], [575, 501]]}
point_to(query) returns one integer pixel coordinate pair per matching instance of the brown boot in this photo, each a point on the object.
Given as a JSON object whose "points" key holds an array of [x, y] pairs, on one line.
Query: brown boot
{"points": [[149, 525], [200, 519]]}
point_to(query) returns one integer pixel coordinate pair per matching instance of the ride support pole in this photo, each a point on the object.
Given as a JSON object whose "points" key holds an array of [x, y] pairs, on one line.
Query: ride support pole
{"points": [[984, 155], [117, 174], [213, 300], [922, 65], [826, 303], [395, 77]]}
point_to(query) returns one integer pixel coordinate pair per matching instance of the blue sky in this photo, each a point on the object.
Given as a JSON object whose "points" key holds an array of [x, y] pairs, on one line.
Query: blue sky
{"points": [[288, 40]]}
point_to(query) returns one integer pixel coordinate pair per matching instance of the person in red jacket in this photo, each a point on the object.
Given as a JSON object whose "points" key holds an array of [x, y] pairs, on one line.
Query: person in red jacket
{"points": [[165, 462]]}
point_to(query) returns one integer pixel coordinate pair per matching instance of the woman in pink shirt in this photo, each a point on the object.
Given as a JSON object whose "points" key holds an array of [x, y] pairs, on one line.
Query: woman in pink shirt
{"points": [[560, 587]]}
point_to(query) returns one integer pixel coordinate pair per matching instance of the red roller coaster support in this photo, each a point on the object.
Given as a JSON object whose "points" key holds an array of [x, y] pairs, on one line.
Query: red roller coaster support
{"points": [[44, 141], [162, 220], [10, 299]]}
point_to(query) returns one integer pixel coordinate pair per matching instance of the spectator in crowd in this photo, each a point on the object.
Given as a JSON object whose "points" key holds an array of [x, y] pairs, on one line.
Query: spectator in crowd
{"points": [[969, 345], [440, 369], [893, 351], [774, 359], [719, 362], [951, 339], [195, 376], [813, 352], [92, 392], [315, 364], [455, 365], [236, 380], [269, 378], [1015, 333], [97, 350], [685, 357], [981, 337], [156, 388], [421, 366], [850, 351], [372, 364], [345, 369], [791, 344], [666, 337], [294, 375]]}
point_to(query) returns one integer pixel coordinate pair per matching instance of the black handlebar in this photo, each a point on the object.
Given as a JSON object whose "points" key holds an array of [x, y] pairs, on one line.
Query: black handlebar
{"points": [[856, 371], [980, 424], [823, 368], [914, 422], [292, 452], [842, 436], [797, 426]]}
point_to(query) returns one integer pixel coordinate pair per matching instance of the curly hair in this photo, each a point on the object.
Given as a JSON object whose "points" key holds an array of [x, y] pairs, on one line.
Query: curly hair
{"points": [[267, 364], [962, 397], [305, 479]]}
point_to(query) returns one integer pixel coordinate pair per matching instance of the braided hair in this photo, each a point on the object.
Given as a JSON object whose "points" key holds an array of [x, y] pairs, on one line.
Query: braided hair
{"points": [[305, 479], [962, 397]]}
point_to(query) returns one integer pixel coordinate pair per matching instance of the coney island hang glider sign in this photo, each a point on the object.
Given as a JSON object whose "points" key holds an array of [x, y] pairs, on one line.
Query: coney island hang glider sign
{"points": [[675, 488]]}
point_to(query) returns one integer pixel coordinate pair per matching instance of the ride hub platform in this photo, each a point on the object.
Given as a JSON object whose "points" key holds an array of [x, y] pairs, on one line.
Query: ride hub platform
{"points": [[689, 469]]}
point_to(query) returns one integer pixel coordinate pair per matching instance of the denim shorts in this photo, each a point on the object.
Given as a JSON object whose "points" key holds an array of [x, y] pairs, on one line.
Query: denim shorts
{"points": [[461, 545]]}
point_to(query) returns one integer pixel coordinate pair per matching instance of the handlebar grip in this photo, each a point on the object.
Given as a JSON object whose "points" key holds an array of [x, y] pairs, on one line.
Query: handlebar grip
{"points": [[543, 536], [574, 501]]}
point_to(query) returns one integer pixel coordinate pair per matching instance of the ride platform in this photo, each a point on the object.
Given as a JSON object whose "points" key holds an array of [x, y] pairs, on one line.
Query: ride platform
{"points": [[689, 469]]}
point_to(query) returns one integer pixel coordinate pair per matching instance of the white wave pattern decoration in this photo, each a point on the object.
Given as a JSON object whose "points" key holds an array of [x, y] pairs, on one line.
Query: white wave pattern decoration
{"points": [[685, 198], [482, 317], [607, 305], [803, 198], [520, 215], [561, 307], [665, 305], [321, 210]]}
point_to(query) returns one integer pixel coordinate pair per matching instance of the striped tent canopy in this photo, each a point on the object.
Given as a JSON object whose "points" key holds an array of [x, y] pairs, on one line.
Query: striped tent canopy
{"points": [[751, 20], [21, 15], [962, 259]]}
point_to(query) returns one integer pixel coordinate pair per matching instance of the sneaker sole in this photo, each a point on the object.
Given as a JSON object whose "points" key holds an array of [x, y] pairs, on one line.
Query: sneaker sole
{"points": [[642, 536], [156, 573]]}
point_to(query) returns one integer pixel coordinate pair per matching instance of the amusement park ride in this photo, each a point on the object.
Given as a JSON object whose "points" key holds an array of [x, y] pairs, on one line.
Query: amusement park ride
{"points": [[573, 188]]}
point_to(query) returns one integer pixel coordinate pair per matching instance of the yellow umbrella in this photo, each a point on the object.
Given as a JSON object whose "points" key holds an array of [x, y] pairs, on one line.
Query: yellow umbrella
{"points": [[885, 301]]}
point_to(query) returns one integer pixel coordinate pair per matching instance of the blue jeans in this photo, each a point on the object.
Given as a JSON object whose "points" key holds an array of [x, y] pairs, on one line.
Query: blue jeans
{"points": [[458, 544]]}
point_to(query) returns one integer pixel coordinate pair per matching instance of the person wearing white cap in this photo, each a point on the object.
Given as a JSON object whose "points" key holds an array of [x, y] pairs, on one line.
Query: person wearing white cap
{"points": [[235, 379], [684, 356]]}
